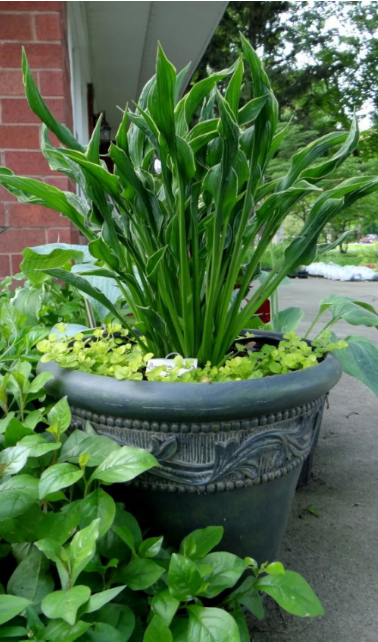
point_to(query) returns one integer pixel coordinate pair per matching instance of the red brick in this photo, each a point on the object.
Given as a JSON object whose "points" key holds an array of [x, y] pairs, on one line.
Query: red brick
{"points": [[19, 136], [39, 55], [14, 241], [15, 27], [2, 215], [27, 163], [31, 6], [67, 235], [17, 110], [27, 215], [51, 83], [48, 26], [11, 82], [15, 263], [4, 265], [61, 182], [5, 196]]}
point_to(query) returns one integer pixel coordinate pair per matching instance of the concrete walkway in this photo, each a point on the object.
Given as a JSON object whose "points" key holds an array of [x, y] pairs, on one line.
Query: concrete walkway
{"points": [[337, 551]]}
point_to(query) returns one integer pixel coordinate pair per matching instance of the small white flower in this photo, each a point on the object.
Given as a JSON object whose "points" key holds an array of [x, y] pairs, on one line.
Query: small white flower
{"points": [[157, 166]]}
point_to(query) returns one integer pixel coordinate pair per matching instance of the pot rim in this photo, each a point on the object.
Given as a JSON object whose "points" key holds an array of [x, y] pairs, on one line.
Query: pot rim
{"points": [[182, 402]]}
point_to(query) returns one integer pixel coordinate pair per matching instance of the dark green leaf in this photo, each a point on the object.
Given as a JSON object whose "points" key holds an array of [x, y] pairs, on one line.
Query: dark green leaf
{"points": [[200, 542], [10, 606], [140, 574], [57, 477], [211, 625]]}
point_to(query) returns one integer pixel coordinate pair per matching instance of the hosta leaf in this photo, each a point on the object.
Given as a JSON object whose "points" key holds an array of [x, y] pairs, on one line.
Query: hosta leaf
{"points": [[360, 360], [38, 106]]}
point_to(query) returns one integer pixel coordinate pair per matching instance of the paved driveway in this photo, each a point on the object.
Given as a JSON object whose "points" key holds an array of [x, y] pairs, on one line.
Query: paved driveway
{"points": [[337, 552]]}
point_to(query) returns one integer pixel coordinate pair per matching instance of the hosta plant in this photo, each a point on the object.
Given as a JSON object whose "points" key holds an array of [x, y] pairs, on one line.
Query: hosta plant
{"points": [[174, 241], [76, 566]]}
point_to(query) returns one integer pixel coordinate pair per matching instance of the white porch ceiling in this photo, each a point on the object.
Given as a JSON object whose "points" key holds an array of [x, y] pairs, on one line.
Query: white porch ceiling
{"points": [[123, 38]]}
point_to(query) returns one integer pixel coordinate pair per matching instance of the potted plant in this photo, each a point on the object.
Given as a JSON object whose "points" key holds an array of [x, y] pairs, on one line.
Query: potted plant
{"points": [[76, 565], [229, 439]]}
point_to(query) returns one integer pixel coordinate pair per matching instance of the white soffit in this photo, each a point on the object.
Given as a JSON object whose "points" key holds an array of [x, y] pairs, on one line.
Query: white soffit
{"points": [[123, 38]]}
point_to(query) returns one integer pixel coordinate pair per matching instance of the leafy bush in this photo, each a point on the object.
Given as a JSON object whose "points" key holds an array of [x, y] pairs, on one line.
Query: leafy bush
{"points": [[175, 242], [75, 564]]}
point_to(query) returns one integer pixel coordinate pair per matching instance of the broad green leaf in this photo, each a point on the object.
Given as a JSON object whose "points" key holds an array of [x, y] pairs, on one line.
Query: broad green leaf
{"points": [[60, 414], [200, 542], [150, 547], [248, 596], [140, 574], [15, 432], [227, 570], [82, 548], [184, 578], [10, 606], [97, 505], [30, 579], [157, 631], [21, 483], [119, 616], [211, 625], [57, 477], [56, 553], [28, 302], [40, 380], [12, 460], [123, 465], [287, 320], [38, 445], [164, 605], [98, 600], [14, 502], [58, 630], [101, 631], [291, 591], [360, 360], [65, 604], [13, 632], [107, 286], [350, 310], [97, 446]]}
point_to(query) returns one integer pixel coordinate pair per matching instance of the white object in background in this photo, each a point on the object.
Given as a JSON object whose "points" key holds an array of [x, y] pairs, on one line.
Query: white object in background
{"points": [[336, 272], [170, 363], [157, 166]]}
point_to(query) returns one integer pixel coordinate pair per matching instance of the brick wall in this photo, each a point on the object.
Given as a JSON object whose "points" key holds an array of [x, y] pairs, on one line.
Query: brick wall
{"points": [[41, 27]]}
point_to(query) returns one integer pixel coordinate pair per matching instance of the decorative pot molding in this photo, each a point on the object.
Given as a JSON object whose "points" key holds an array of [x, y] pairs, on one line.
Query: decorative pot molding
{"points": [[215, 456]]}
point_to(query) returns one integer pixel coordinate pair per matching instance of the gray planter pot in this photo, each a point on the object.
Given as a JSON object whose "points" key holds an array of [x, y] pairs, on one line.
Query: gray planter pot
{"points": [[229, 453]]}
